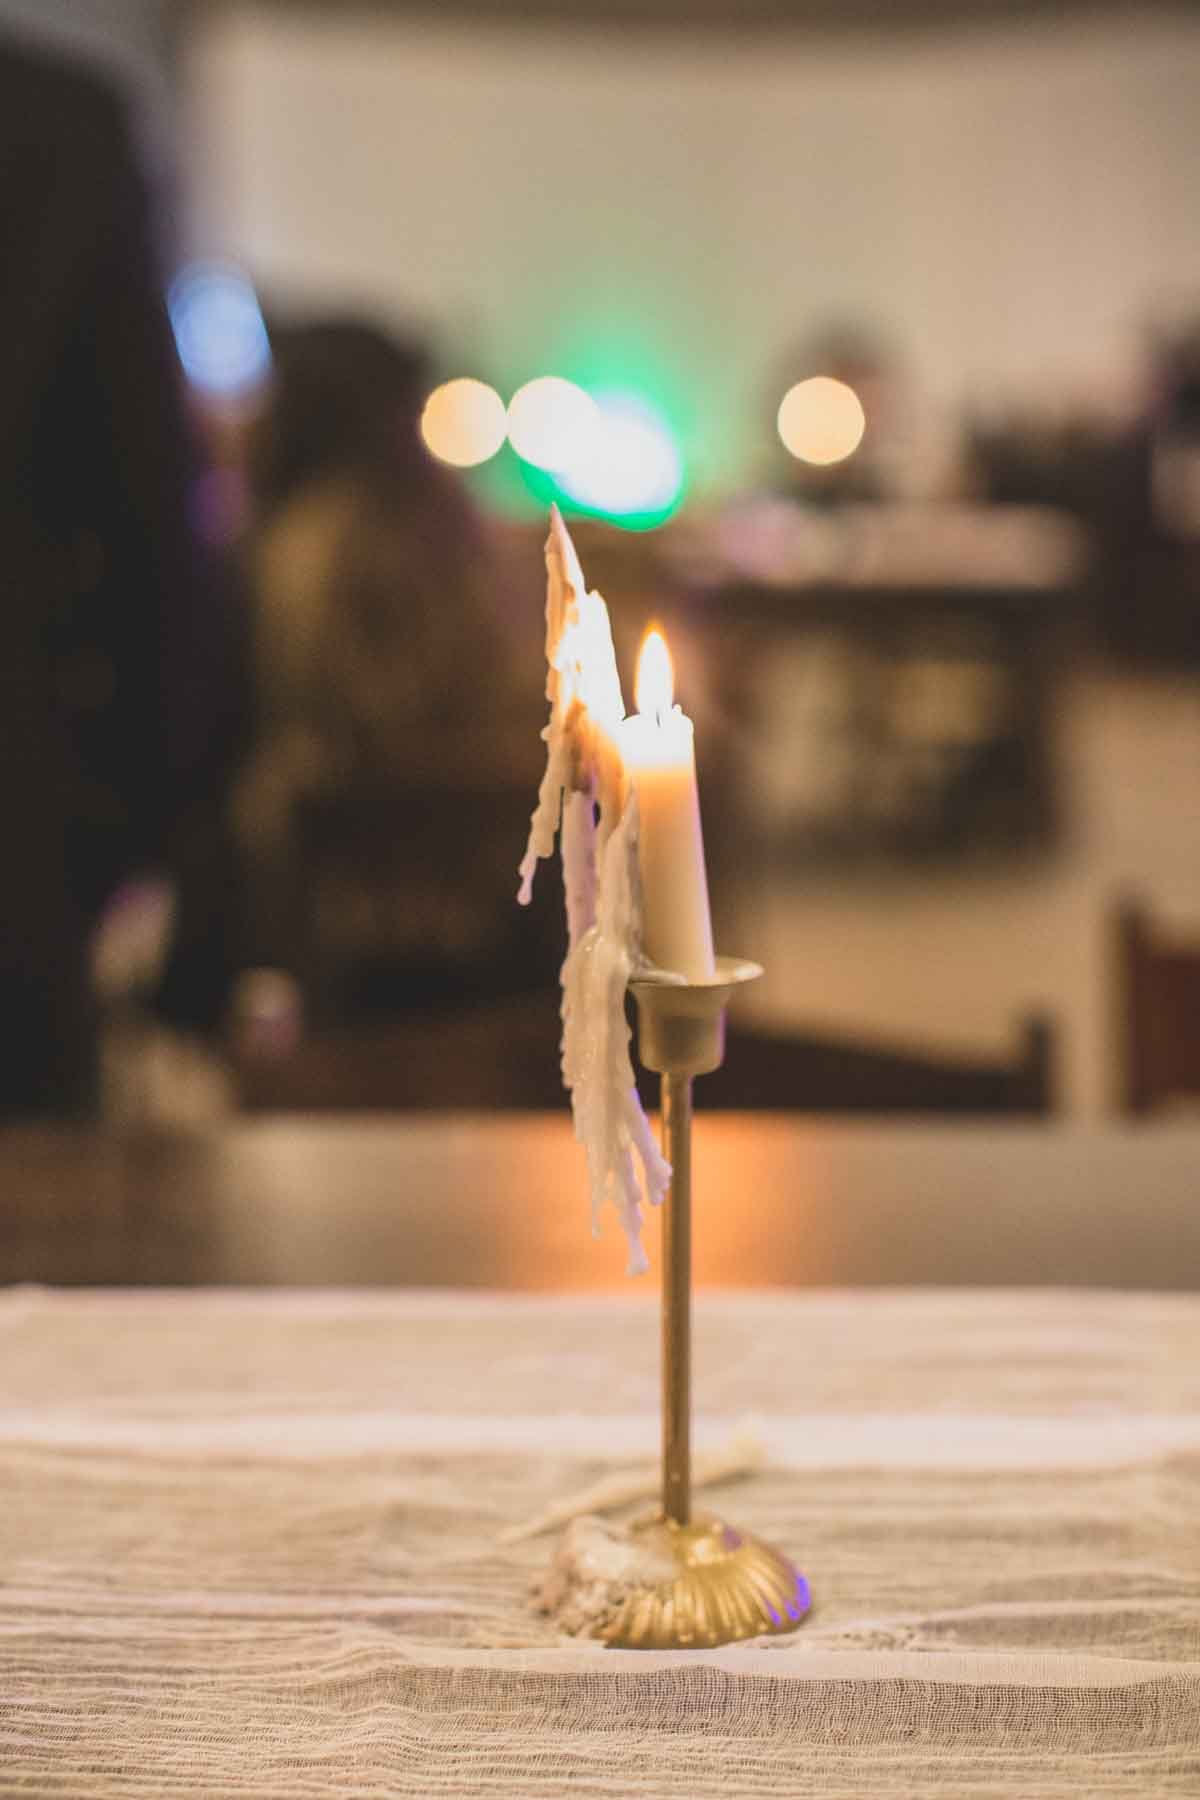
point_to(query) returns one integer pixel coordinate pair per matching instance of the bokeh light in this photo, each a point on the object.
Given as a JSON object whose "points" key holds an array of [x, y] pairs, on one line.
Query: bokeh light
{"points": [[821, 420], [464, 422], [219, 329], [630, 464], [551, 423]]}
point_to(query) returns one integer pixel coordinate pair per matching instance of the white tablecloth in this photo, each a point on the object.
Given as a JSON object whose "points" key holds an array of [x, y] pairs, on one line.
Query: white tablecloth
{"points": [[249, 1545]]}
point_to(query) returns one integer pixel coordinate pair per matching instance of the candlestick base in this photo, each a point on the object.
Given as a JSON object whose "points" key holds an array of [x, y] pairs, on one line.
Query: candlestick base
{"points": [[730, 1586]]}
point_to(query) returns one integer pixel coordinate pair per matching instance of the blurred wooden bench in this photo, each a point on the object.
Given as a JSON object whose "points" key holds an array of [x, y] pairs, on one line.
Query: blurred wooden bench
{"points": [[828, 1073], [506, 1056], [1158, 1002]]}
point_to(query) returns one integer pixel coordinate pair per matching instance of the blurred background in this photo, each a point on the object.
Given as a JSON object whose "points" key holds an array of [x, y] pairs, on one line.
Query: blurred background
{"points": [[859, 343]]}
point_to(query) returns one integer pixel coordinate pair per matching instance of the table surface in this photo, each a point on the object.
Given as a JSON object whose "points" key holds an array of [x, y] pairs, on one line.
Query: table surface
{"points": [[500, 1201], [251, 1545]]}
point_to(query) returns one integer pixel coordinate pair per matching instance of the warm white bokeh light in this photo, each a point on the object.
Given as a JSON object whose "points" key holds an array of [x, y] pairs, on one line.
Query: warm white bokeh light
{"points": [[551, 422], [629, 464], [654, 683], [464, 422], [821, 420]]}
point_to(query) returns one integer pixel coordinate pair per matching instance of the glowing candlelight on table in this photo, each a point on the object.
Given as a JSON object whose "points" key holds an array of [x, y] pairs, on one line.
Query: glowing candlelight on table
{"points": [[658, 745]]}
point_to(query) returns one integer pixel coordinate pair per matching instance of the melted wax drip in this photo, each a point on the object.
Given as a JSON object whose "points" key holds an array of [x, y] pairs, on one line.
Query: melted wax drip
{"points": [[585, 797]]}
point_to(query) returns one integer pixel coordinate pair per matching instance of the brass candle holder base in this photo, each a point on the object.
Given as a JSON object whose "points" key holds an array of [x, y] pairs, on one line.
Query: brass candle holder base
{"points": [[730, 1586], [677, 1583]]}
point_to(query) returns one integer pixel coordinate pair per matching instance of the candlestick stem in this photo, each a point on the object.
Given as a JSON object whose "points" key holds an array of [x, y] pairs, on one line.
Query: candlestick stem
{"points": [[677, 1300]]}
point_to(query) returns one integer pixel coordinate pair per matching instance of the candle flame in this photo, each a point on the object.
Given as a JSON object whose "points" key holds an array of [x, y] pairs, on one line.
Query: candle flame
{"points": [[654, 687]]}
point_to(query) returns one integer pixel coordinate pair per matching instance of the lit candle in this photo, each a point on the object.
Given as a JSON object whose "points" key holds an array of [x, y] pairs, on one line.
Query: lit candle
{"points": [[658, 745]]}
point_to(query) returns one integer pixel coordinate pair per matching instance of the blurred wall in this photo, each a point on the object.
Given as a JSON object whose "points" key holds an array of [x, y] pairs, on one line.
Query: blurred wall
{"points": [[955, 959], [1011, 201], [1014, 203]]}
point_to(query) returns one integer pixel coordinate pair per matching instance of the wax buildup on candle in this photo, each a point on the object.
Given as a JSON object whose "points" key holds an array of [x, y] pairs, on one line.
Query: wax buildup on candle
{"points": [[586, 798]]}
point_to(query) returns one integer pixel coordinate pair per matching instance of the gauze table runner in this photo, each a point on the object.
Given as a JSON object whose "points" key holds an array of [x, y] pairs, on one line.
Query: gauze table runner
{"points": [[250, 1545]]}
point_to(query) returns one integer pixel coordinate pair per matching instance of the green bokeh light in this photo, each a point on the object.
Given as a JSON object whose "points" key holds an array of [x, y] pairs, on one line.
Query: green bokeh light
{"points": [[614, 364]]}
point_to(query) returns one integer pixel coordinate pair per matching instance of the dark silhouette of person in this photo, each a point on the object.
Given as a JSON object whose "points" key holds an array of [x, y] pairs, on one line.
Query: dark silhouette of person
{"points": [[384, 808], [118, 697]]}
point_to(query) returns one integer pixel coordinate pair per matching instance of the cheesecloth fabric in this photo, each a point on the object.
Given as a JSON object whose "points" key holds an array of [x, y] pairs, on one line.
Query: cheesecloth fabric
{"points": [[249, 1545]]}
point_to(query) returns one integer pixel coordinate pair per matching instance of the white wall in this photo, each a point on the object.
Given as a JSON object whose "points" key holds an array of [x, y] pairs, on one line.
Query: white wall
{"points": [[1011, 201]]}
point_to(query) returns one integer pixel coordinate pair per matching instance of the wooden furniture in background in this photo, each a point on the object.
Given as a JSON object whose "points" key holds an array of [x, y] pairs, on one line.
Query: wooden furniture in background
{"points": [[502, 1055], [1158, 989], [499, 1201], [830, 1074], [505, 1056]]}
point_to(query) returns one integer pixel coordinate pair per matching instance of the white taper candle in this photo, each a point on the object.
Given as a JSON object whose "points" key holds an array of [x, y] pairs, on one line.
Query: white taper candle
{"points": [[658, 746]]}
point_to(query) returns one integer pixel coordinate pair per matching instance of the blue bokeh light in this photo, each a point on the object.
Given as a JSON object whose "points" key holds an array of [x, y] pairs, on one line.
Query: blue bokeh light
{"points": [[219, 329]]}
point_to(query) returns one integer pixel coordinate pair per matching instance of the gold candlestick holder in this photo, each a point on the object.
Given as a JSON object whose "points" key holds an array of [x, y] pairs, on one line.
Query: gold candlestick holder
{"points": [[729, 1585]]}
